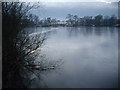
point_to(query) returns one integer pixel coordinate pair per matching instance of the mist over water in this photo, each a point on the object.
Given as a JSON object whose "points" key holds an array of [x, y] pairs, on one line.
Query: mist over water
{"points": [[90, 56]]}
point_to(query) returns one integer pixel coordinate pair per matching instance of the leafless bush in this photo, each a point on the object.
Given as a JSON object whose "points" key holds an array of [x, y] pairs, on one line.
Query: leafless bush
{"points": [[29, 47], [20, 49]]}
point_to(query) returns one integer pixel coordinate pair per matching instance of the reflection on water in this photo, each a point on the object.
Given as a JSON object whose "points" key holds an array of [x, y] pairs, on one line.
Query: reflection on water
{"points": [[90, 56]]}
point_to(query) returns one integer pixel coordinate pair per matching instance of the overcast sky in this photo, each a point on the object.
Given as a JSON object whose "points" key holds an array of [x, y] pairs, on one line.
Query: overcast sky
{"points": [[60, 8]]}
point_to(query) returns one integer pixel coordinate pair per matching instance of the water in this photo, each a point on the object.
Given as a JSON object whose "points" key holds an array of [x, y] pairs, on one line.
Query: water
{"points": [[90, 56]]}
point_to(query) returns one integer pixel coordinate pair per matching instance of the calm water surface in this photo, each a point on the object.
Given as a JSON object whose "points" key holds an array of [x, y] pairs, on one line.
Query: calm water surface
{"points": [[90, 56]]}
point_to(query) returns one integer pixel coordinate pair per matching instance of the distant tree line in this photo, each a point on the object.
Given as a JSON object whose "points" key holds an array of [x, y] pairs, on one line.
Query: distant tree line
{"points": [[99, 20], [75, 20], [46, 22]]}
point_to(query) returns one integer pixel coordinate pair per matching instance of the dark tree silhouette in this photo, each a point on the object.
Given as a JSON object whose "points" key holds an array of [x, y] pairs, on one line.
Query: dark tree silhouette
{"points": [[14, 18], [98, 20], [113, 20], [69, 19], [20, 49]]}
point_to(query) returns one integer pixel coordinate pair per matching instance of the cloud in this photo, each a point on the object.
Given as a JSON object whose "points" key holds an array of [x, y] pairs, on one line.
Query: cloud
{"points": [[59, 3], [106, 1], [79, 4], [59, 10]]}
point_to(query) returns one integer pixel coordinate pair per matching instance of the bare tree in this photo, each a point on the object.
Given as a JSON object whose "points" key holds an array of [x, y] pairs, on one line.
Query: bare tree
{"points": [[29, 48], [20, 49]]}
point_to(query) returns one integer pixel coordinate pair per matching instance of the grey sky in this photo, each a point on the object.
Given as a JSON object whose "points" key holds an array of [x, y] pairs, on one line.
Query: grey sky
{"points": [[60, 10]]}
